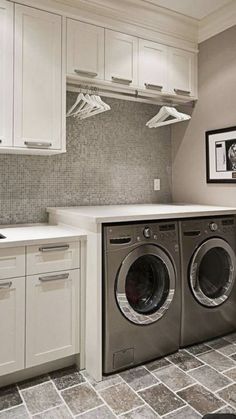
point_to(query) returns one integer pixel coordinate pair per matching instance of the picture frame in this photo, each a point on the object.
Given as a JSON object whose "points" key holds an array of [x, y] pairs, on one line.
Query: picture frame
{"points": [[221, 155]]}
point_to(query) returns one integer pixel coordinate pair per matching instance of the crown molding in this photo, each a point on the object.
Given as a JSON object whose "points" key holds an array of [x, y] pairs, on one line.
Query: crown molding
{"points": [[217, 22], [134, 17]]}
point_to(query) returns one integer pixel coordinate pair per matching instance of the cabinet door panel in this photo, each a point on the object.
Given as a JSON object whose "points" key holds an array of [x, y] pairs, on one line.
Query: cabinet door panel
{"points": [[182, 72], [152, 65], [38, 79], [121, 53], [85, 50], [6, 73], [12, 325], [51, 316]]}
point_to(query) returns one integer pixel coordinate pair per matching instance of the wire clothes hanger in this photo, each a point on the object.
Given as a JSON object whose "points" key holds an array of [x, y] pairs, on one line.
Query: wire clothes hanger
{"points": [[167, 115]]}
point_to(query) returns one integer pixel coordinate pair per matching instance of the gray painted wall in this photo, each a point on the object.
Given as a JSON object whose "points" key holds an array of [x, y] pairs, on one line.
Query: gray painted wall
{"points": [[111, 158], [216, 108]]}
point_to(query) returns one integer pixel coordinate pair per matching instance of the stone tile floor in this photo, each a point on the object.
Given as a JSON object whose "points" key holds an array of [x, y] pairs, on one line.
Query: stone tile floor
{"points": [[186, 385]]}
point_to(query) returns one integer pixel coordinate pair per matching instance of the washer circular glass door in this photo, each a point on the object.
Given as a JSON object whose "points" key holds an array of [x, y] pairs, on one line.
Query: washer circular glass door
{"points": [[145, 284], [212, 272]]}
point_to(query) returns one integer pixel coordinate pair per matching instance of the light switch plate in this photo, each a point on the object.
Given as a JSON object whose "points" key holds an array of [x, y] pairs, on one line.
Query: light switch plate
{"points": [[157, 184]]}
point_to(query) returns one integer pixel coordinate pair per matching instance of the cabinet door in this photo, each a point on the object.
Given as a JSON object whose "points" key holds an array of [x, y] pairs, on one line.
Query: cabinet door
{"points": [[152, 65], [6, 73], [182, 72], [85, 50], [38, 79], [12, 325], [51, 316], [121, 54]]}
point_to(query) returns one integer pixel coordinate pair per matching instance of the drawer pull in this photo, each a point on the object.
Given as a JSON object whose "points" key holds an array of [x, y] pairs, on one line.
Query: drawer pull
{"points": [[153, 86], [54, 248], [53, 277], [37, 144], [121, 80], [5, 285], [182, 92], [85, 73]]}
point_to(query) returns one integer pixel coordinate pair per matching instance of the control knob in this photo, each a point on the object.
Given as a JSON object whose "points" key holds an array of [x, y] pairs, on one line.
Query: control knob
{"points": [[147, 232], [213, 226]]}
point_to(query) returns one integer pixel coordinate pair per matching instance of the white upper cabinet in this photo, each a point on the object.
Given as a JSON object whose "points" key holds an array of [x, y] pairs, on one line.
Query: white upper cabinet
{"points": [[182, 72], [121, 58], [6, 73], [152, 65], [37, 79], [85, 50]]}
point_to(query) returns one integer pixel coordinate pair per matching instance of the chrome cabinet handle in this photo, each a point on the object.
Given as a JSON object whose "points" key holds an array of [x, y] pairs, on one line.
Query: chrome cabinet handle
{"points": [[54, 248], [182, 92], [85, 73], [53, 277], [5, 285], [153, 86], [37, 144], [121, 80]]}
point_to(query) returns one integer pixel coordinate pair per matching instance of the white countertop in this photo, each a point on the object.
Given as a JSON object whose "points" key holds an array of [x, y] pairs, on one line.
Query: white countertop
{"points": [[39, 233], [118, 213]]}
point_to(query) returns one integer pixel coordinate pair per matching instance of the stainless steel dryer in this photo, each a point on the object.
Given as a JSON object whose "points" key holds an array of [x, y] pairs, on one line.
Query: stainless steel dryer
{"points": [[208, 261], [141, 293]]}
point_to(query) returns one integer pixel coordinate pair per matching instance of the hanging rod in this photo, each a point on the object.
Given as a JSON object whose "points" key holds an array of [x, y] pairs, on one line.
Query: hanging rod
{"points": [[131, 94]]}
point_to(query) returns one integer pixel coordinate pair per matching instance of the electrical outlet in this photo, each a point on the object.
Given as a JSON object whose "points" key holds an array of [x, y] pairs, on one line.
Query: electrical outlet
{"points": [[157, 184]]}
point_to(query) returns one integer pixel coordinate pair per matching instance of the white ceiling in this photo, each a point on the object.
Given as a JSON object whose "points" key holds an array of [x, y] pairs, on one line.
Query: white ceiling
{"points": [[197, 9]]}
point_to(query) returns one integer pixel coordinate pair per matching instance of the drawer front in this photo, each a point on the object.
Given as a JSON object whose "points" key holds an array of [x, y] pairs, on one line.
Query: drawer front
{"points": [[12, 262], [52, 310], [53, 257]]}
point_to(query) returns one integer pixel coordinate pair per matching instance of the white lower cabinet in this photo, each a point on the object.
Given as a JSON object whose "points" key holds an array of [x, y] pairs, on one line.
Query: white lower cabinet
{"points": [[12, 325], [51, 316]]}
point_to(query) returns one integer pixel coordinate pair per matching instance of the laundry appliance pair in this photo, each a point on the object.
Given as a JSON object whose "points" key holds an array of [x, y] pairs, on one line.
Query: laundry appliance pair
{"points": [[166, 284]]}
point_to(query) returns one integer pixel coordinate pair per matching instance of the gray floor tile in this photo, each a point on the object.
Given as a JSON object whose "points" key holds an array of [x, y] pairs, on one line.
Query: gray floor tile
{"points": [[201, 399], [143, 412], [9, 397], [223, 346], [217, 360], [99, 413], [41, 397], [173, 377], [106, 381], [231, 374], [60, 412], [81, 398], [227, 409], [184, 413], [198, 349], [121, 398], [67, 377], [33, 381], [229, 395], [158, 363], [138, 378], [161, 399], [18, 412], [210, 378], [184, 360], [233, 357], [231, 337]]}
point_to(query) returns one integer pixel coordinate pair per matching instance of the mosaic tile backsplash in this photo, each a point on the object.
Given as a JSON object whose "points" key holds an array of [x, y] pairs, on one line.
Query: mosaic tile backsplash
{"points": [[111, 158]]}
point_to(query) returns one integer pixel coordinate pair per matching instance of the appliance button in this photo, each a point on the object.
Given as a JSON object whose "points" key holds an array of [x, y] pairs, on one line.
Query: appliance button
{"points": [[155, 236], [213, 226], [147, 232]]}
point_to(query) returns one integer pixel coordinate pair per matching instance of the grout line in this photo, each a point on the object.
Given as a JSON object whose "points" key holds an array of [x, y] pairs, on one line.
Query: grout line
{"points": [[48, 410], [63, 401], [89, 410]]}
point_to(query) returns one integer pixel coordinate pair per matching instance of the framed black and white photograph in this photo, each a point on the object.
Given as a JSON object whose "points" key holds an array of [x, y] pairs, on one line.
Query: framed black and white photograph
{"points": [[221, 155]]}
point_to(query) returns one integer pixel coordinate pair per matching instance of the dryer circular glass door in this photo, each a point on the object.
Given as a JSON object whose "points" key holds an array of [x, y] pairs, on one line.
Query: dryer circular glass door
{"points": [[212, 272], [145, 284]]}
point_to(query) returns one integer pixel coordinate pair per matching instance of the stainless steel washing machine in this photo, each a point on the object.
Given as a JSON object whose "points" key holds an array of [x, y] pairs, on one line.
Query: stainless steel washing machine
{"points": [[208, 263], [141, 293]]}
